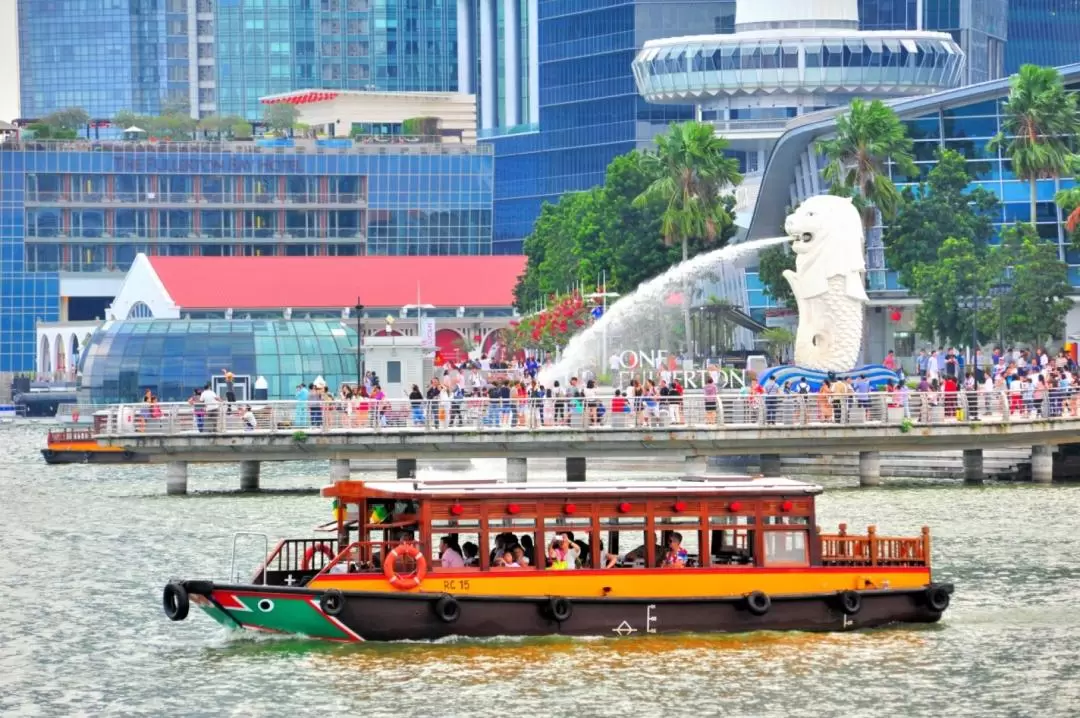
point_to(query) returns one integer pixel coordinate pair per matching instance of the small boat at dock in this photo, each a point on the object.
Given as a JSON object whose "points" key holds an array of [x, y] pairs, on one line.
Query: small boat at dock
{"points": [[416, 560], [76, 444]]}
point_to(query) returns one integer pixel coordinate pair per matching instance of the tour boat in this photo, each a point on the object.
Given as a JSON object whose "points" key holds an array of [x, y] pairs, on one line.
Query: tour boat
{"points": [[750, 558], [79, 445]]}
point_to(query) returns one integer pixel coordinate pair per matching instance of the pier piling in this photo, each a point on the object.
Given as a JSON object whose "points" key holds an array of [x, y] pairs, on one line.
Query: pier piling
{"points": [[249, 475], [869, 468], [973, 466], [517, 469], [340, 470], [1042, 464], [176, 477], [575, 468], [406, 468], [770, 465]]}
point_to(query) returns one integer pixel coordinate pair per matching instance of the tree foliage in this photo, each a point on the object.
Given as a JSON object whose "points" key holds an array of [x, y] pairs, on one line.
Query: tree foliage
{"points": [[69, 118], [1035, 309], [176, 126], [959, 270], [771, 265], [281, 116], [866, 137], [939, 208], [586, 235], [1039, 126]]}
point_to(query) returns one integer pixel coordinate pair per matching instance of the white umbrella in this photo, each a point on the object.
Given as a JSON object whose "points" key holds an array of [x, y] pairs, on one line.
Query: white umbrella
{"points": [[133, 128]]}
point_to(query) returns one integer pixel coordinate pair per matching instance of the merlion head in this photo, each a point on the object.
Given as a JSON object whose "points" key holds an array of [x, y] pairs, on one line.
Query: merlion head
{"points": [[827, 229]]}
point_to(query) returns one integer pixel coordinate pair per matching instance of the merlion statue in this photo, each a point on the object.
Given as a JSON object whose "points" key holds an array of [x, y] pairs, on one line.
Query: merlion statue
{"points": [[827, 282]]}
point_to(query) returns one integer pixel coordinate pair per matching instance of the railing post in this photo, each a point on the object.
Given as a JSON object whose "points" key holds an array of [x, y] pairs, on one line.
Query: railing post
{"points": [[871, 532], [926, 545]]}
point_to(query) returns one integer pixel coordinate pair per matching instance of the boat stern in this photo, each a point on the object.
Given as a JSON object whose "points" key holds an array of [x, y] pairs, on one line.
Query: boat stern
{"points": [[268, 609]]}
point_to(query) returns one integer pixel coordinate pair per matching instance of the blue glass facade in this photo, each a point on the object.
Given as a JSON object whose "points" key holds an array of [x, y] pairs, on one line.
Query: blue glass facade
{"points": [[1042, 32], [82, 207], [590, 110], [101, 55], [173, 357]]}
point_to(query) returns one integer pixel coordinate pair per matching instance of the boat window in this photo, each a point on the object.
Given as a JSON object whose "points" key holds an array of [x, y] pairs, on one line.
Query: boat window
{"points": [[787, 521], [466, 532], [630, 547], [732, 540], [786, 548], [506, 546]]}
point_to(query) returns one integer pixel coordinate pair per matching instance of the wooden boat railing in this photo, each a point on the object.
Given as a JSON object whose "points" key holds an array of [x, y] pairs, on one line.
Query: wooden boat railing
{"points": [[842, 549]]}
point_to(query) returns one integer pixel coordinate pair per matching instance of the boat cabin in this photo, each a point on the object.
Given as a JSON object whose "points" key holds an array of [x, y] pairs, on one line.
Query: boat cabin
{"points": [[493, 526]]}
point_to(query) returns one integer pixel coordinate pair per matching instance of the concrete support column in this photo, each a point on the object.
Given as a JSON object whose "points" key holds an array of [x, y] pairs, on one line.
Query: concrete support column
{"points": [[176, 477], [489, 65], [512, 60], [534, 60], [466, 58], [869, 468], [973, 465], [406, 468], [340, 470], [1042, 464], [249, 475], [517, 469], [770, 465], [695, 465], [575, 468]]}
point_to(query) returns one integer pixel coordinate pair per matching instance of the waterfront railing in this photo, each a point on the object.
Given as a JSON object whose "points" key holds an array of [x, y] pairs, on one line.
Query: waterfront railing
{"points": [[791, 411]]}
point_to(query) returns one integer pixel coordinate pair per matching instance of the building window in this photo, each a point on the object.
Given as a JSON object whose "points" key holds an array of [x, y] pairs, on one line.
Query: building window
{"points": [[139, 310]]}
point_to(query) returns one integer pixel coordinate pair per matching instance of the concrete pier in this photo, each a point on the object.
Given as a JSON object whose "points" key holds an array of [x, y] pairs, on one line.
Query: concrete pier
{"points": [[770, 465], [575, 468], [869, 468], [340, 470], [406, 468], [696, 465], [973, 466], [176, 477], [249, 475], [1042, 464], [517, 469]]}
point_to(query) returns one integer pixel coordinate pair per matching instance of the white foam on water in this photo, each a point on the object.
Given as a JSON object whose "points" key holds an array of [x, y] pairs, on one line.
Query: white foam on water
{"points": [[638, 307]]}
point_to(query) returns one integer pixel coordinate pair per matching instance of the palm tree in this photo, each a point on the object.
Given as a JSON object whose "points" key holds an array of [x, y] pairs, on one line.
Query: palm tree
{"points": [[1039, 126], [867, 136], [691, 169], [777, 339]]}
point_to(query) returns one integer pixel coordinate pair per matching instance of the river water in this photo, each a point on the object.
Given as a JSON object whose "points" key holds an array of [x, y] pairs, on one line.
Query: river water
{"points": [[85, 551]]}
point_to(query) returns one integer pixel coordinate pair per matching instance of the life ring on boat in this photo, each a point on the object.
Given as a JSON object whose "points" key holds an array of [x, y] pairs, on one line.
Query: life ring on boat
{"points": [[332, 602], [322, 548], [758, 603], [937, 598], [560, 609], [850, 602], [408, 580], [447, 609], [175, 602]]}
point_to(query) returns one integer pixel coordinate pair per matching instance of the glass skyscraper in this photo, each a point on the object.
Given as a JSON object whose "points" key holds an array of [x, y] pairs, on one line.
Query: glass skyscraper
{"points": [[1042, 32], [221, 56], [91, 207], [589, 107]]}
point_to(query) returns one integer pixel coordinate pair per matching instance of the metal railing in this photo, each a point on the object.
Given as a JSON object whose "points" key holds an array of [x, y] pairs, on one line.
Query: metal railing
{"points": [[794, 411]]}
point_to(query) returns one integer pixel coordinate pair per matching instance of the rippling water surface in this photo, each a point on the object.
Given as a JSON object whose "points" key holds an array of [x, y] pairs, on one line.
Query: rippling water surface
{"points": [[85, 551]]}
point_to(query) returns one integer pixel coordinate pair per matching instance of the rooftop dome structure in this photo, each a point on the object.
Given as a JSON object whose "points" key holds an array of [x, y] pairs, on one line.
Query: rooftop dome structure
{"points": [[173, 357]]}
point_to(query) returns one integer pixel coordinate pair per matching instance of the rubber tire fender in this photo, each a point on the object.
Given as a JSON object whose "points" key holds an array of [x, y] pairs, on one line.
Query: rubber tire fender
{"points": [[201, 588], [128, 454], [850, 602], [447, 609], [332, 602], [561, 609], [758, 603], [937, 598], [175, 601]]}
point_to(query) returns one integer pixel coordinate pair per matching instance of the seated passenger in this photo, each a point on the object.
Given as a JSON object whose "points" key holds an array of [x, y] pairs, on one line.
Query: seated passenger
{"points": [[507, 561], [519, 555], [676, 556], [450, 553], [471, 553], [527, 545], [607, 560], [563, 553]]}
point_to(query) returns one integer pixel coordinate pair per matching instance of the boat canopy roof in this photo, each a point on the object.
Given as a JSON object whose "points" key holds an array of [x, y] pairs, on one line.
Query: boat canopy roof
{"points": [[353, 491]]}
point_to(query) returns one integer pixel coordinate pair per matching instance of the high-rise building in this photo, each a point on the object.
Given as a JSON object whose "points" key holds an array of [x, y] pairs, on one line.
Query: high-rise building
{"points": [[582, 107], [1042, 32], [221, 56]]}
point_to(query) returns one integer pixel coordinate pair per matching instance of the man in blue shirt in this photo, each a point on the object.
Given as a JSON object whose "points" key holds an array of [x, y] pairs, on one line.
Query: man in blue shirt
{"points": [[772, 391]]}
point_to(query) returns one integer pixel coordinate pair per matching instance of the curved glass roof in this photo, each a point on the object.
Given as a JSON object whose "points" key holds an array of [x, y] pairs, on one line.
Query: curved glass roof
{"points": [[173, 357], [865, 63]]}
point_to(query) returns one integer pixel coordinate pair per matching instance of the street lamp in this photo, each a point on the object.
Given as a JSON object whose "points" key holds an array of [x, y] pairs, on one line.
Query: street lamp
{"points": [[975, 304], [359, 309], [999, 290]]}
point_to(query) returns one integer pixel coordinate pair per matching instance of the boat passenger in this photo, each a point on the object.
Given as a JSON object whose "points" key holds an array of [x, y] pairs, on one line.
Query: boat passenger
{"points": [[563, 553], [527, 546], [676, 556], [519, 555], [450, 553], [471, 552]]}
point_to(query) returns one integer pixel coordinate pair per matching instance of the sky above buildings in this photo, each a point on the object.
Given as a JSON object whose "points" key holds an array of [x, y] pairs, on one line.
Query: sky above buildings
{"points": [[9, 75]]}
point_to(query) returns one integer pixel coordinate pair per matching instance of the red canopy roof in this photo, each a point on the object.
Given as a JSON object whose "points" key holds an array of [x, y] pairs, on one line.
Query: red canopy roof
{"points": [[324, 282]]}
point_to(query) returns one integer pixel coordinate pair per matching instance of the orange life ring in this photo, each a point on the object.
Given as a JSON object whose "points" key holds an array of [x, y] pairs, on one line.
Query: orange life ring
{"points": [[310, 553], [407, 581]]}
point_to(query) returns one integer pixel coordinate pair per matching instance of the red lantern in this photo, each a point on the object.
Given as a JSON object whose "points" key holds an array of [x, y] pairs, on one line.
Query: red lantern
{"points": [[570, 508], [513, 509], [680, 506], [896, 315], [457, 509], [476, 338], [624, 507], [787, 506], [734, 506]]}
